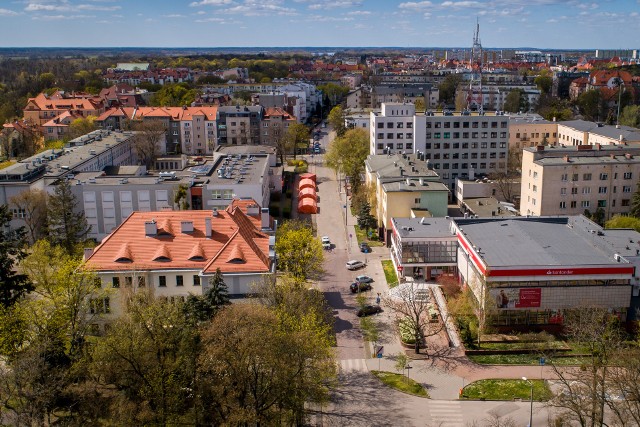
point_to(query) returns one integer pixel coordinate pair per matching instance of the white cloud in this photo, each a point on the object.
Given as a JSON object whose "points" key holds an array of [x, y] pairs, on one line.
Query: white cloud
{"points": [[359, 13], [210, 3], [461, 4], [201, 12], [322, 18], [335, 4], [61, 17], [7, 12], [98, 8], [174, 15], [552, 21], [415, 5], [36, 7]]}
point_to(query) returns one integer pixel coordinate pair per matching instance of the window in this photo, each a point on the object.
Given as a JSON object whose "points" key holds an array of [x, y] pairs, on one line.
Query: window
{"points": [[447, 124], [437, 125], [602, 190], [390, 125], [227, 194], [604, 176], [400, 136], [416, 201], [585, 204], [196, 280], [162, 281], [456, 125], [563, 205], [535, 175], [447, 135], [626, 189], [115, 282], [400, 125], [380, 125], [436, 135], [409, 125], [381, 136], [625, 202], [574, 177], [99, 306], [563, 191], [465, 125], [141, 282], [574, 190], [586, 177], [456, 134], [389, 135], [628, 175], [179, 280], [602, 203], [128, 281], [564, 177], [574, 204], [465, 134], [216, 194], [586, 190]]}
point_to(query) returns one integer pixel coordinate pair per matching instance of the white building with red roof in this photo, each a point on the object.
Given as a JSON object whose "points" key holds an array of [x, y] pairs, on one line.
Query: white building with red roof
{"points": [[173, 253]]}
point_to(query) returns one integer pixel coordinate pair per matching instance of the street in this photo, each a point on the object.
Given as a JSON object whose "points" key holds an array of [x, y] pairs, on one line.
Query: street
{"points": [[361, 399]]}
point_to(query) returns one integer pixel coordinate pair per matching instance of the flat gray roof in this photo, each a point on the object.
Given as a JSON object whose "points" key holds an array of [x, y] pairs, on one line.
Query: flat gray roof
{"points": [[488, 207], [388, 167], [413, 185], [239, 169], [424, 228], [538, 241], [586, 160]]}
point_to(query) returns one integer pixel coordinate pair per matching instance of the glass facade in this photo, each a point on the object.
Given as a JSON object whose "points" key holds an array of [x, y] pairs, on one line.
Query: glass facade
{"points": [[429, 252]]}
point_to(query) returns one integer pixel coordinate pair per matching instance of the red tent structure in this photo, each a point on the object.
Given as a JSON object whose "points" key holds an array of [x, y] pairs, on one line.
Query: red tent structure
{"points": [[307, 193], [310, 176], [307, 206], [306, 183]]}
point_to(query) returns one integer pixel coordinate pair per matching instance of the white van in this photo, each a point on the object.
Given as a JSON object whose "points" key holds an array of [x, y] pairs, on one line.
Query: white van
{"points": [[355, 264]]}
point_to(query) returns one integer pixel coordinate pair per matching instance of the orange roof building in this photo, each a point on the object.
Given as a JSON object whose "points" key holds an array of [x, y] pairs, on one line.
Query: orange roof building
{"points": [[172, 253]]}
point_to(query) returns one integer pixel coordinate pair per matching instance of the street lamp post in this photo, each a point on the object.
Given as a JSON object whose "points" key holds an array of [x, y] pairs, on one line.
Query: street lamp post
{"points": [[531, 402], [619, 83]]}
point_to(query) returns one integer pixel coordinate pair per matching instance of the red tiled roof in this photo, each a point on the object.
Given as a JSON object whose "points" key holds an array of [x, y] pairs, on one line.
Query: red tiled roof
{"points": [[233, 232]]}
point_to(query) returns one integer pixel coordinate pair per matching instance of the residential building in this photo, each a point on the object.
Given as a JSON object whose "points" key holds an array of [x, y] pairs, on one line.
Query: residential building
{"points": [[423, 248], [19, 138], [574, 179], [275, 124], [360, 120], [44, 108], [531, 131], [495, 96], [580, 132], [58, 128], [454, 145], [527, 271], [239, 125], [172, 254], [405, 187], [506, 190]]}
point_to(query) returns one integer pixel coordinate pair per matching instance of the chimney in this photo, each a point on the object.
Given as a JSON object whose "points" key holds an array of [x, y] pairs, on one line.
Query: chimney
{"points": [[567, 159], [87, 253], [613, 156], [554, 119], [628, 156], [598, 146], [253, 210], [401, 172], [150, 228], [540, 148], [186, 226], [207, 227], [265, 218], [214, 212]]}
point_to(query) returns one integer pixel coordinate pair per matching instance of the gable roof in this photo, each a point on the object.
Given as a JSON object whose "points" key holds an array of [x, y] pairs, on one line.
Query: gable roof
{"points": [[236, 244]]}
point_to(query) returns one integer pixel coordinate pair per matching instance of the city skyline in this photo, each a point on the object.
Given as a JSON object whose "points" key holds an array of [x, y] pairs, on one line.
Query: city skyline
{"points": [[551, 24]]}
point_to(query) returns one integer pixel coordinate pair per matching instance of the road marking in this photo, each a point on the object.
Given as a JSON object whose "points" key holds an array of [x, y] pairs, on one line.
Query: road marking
{"points": [[352, 365], [445, 413]]}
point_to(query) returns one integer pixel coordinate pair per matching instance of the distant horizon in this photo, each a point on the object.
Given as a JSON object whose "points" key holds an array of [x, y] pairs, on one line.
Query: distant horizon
{"points": [[308, 48], [555, 24]]}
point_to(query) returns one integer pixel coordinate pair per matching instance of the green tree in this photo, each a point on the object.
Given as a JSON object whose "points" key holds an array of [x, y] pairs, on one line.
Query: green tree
{"points": [[544, 82], [347, 154], [299, 253], [366, 221], [630, 116], [67, 224], [620, 221], [419, 103], [261, 366], [202, 308], [13, 285], [590, 105], [82, 126], [181, 197], [296, 136], [336, 120], [635, 203], [147, 359], [335, 93], [448, 88], [516, 101], [34, 205], [552, 108], [174, 95]]}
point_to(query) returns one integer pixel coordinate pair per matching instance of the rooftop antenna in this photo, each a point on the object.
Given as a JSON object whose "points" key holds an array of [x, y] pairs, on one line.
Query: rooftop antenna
{"points": [[474, 98]]}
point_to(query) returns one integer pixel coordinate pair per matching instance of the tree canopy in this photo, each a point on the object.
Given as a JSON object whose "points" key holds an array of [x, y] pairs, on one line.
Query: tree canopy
{"points": [[347, 154], [13, 285], [299, 253], [67, 224]]}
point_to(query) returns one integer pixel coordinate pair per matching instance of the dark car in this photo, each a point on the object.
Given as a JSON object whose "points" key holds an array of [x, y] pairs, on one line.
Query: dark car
{"points": [[365, 248], [359, 287], [368, 310]]}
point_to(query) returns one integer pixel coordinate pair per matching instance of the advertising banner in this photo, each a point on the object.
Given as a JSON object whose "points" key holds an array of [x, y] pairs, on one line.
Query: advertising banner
{"points": [[510, 298]]}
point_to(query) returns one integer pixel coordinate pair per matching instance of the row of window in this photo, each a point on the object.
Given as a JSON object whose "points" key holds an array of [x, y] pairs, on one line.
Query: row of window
{"points": [[587, 190], [397, 135], [398, 146], [162, 281], [463, 145], [492, 165], [399, 125], [587, 203], [446, 156], [465, 125], [465, 135], [222, 194], [587, 176]]}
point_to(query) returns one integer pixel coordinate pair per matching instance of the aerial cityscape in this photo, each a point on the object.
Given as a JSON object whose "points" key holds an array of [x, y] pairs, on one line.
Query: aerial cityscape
{"points": [[320, 213]]}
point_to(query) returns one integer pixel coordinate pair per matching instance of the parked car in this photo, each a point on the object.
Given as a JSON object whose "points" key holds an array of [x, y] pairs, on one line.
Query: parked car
{"points": [[355, 264], [368, 310], [359, 287], [364, 279], [365, 248], [326, 242]]}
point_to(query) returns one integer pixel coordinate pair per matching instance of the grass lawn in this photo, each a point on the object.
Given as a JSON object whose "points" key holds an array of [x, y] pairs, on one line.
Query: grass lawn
{"points": [[390, 273], [520, 359], [401, 383], [361, 235], [506, 390]]}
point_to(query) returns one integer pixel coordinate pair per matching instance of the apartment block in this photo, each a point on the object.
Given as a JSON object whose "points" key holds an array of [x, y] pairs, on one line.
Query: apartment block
{"points": [[239, 125], [573, 180]]}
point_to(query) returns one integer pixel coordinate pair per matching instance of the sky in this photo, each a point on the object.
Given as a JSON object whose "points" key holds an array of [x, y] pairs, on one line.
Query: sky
{"points": [[544, 24]]}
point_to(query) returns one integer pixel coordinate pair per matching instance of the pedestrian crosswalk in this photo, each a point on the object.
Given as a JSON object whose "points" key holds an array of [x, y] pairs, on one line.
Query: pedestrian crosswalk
{"points": [[352, 365], [445, 413]]}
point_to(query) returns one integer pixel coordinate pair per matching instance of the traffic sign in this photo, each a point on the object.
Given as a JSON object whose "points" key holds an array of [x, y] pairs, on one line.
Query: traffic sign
{"points": [[379, 351], [542, 361]]}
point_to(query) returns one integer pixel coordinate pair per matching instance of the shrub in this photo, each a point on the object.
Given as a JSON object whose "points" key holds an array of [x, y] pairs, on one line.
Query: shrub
{"points": [[406, 331]]}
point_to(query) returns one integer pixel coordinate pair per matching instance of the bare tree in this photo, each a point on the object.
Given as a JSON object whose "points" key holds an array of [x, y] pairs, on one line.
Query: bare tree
{"points": [[584, 392], [33, 204], [148, 139], [413, 304], [623, 397]]}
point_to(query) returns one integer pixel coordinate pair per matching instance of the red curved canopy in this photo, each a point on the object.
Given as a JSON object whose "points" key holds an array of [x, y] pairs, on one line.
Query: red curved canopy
{"points": [[306, 183], [307, 206], [311, 176], [307, 193]]}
